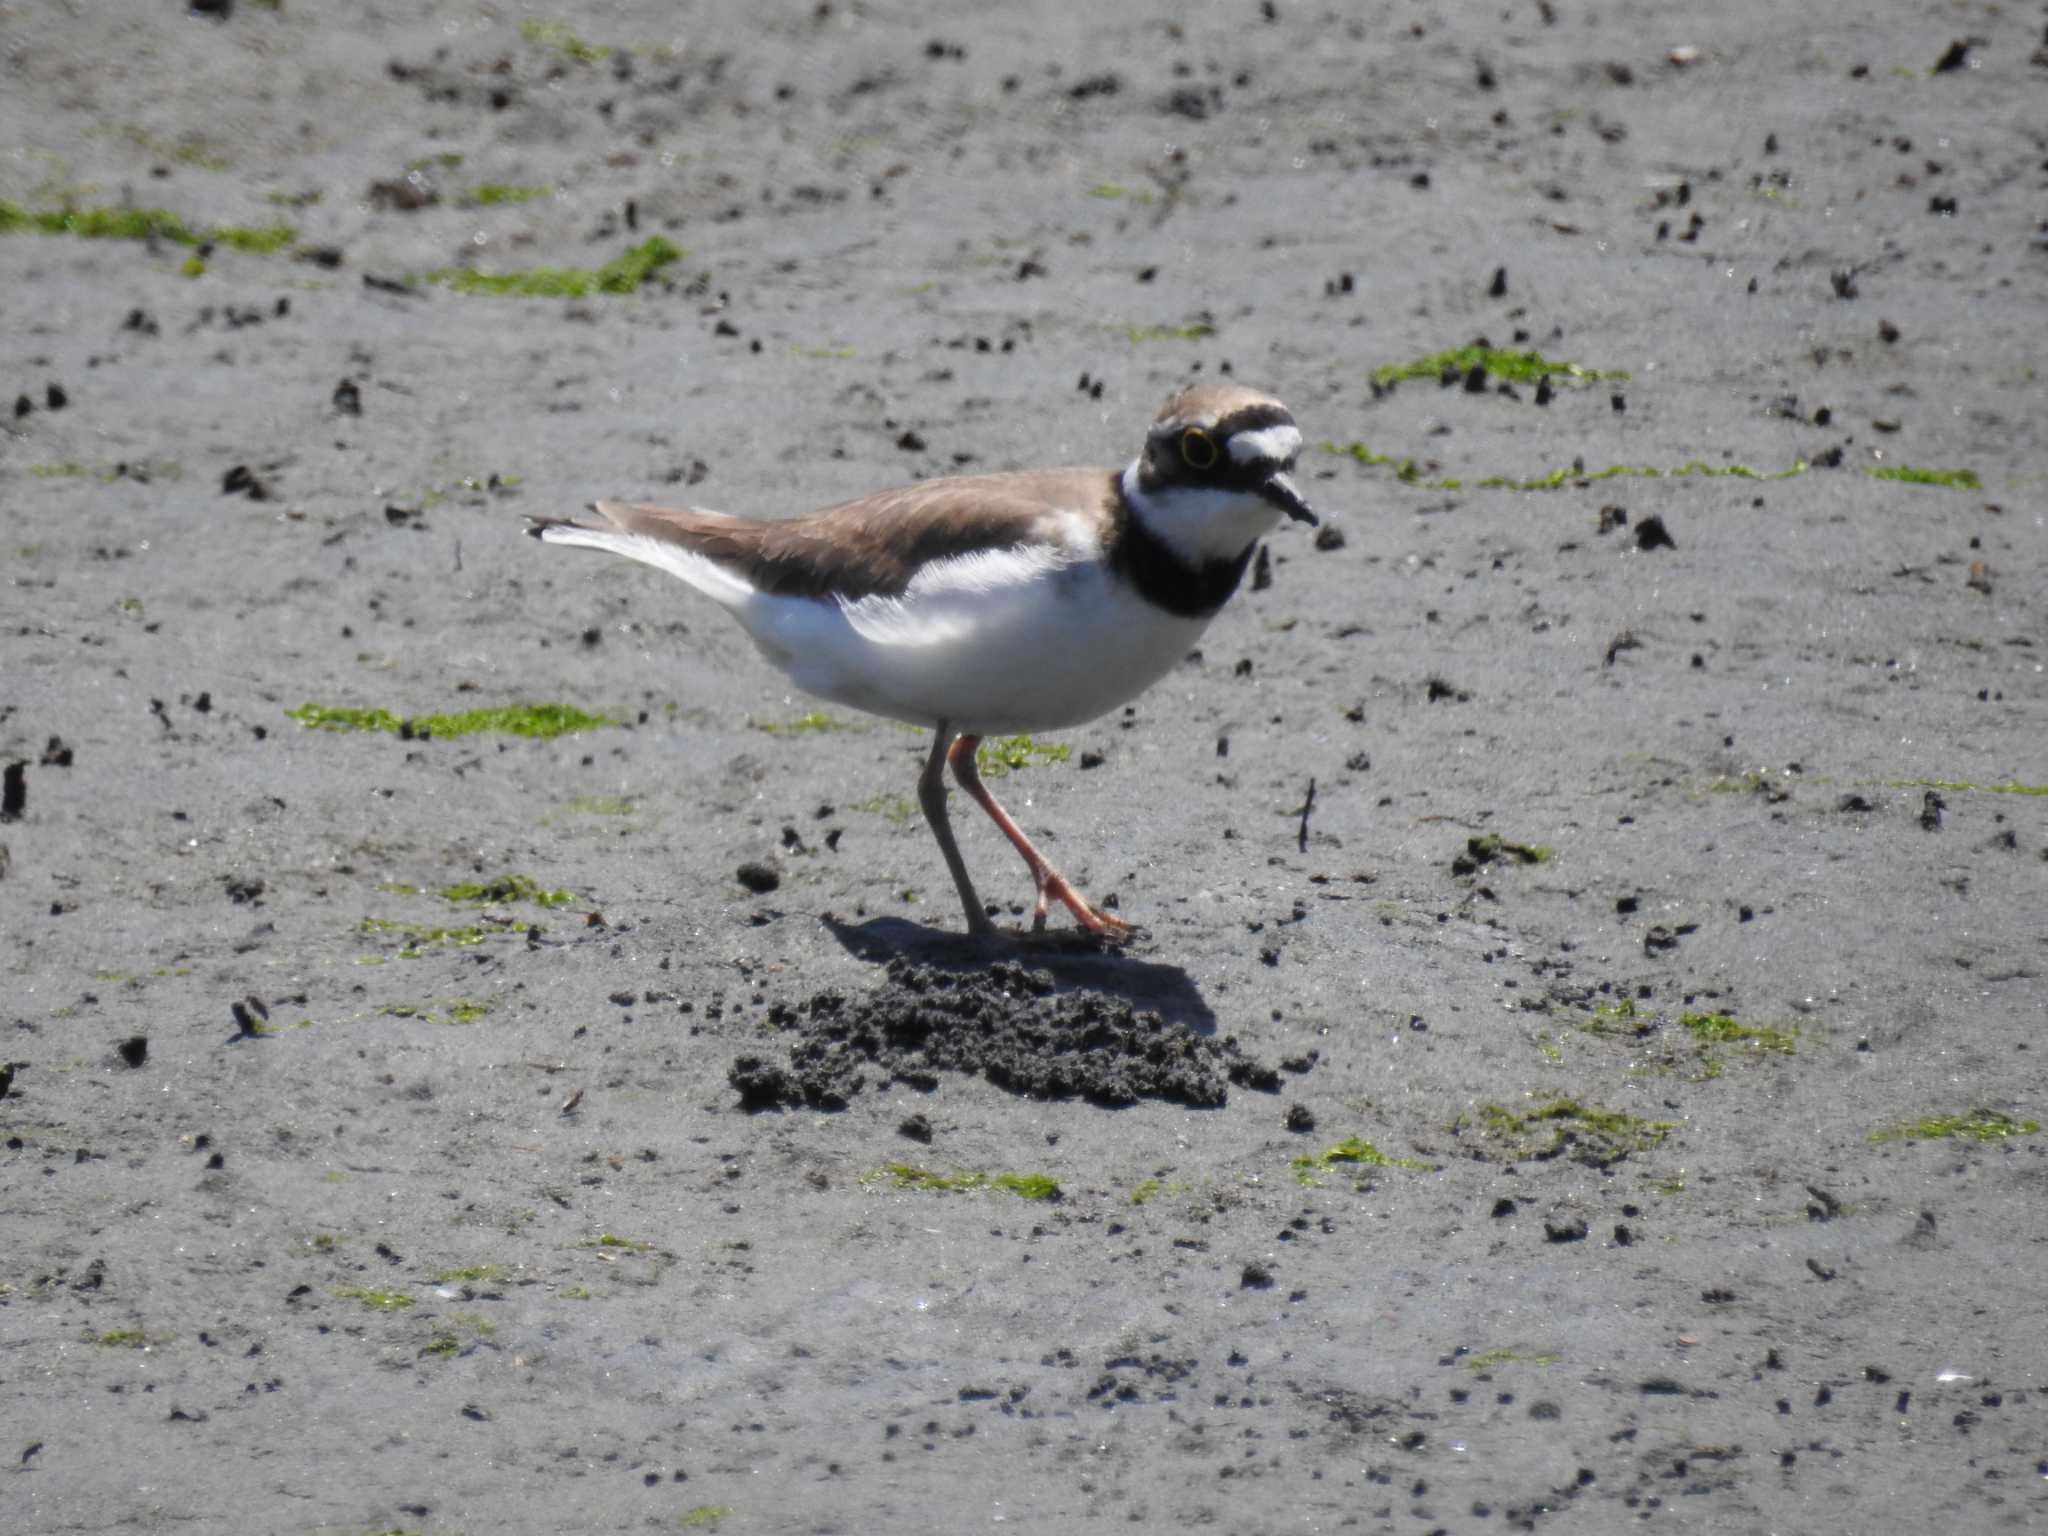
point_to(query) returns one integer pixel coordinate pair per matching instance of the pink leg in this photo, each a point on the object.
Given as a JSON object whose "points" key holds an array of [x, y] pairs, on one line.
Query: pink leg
{"points": [[1051, 884]]}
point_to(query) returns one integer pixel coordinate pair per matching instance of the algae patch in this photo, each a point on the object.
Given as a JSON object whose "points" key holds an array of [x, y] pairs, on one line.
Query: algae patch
{"points": [[505, 888], [896, 808], [816, 723], [484, 1273], [1409, 472], [1975, 1125], [1960, 787], [1559, 1126], [1949, 479], [451, 1011], [1492, 848], [1352, 1152], [1026, 1186], [1195, 331], [141, 224], [379, 1301], [624, 273], [1515, 367], [1005, 755], [558, 36], [494, 194], [539, 720], [1622, 1018], [1726, 1029], [417, 938], [1506, 1354], [129, 1338]]}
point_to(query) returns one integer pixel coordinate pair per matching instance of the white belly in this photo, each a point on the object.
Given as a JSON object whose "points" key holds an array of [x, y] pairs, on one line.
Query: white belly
{"points": [[1053, 649]]}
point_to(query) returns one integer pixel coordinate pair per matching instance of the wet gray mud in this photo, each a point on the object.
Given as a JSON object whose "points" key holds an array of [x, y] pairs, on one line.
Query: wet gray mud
{"points": [[1619, 829]]}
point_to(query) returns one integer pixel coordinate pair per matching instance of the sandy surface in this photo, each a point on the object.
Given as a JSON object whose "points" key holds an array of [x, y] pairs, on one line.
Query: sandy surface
{"points": [[475, 1232]]}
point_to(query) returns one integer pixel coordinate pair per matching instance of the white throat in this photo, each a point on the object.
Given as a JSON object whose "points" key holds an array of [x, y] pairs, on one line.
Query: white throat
{"points": [[1199, 523]]}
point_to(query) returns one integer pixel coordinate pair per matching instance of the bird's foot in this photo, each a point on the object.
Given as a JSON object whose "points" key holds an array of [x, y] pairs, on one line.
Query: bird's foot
{"points": [[1052, 886]]}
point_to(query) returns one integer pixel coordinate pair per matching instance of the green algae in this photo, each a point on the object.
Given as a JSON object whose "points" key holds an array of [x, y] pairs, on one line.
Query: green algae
{"points": [[1514, 367], [497, 194], [454, 1011], [1026, 1186], [1491, 847], [1405, 468], [1726, 1029], [703, 1515], [624, 273], [1622, 1018], [129, 1338], [141, 224], [1354, 1152], [1506, 1354], [505, 888], [380, 1301], [556, 35], [488, 1273], [1740, 784], [1951, 479], [1960, 787], [1145, 1191], [1005, 755], [418, 938], [1410, 472], [538, 720], [1195, 331], [816, 723], [1116, 189], [1556, 479], [1975, 1125], [896, 808], [607, 1240], [1558, 1126]]}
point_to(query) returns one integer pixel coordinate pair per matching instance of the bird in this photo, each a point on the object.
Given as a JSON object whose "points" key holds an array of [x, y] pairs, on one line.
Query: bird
{"points": [[993, 604]]}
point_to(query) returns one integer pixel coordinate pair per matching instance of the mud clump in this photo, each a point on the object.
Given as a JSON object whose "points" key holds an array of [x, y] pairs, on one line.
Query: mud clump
{"points": [[1010, 1024]]}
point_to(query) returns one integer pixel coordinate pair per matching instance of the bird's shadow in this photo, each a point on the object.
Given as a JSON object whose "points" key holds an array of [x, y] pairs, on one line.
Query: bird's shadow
{"points": [[1075, 961]]}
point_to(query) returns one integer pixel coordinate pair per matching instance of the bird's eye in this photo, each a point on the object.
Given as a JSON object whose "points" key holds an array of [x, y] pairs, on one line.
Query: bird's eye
{"points": [[1197, 449]]}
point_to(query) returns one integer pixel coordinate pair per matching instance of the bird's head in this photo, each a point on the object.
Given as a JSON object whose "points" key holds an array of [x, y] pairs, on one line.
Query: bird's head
{"points": [[1217, 471]]}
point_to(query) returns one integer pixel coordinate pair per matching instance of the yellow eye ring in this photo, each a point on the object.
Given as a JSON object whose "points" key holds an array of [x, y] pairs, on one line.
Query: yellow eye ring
{"points": [[1197, 449]]}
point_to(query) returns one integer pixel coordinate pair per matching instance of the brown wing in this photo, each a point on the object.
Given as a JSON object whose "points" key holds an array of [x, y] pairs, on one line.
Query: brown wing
{"points": [[874, 546]]}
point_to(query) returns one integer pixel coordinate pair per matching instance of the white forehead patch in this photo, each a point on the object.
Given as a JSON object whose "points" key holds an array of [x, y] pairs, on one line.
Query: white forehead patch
{"points": [[1268, 445]]}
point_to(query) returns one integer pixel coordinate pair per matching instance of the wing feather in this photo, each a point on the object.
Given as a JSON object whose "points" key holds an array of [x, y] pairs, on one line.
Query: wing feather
{"points": [[873, 547]]}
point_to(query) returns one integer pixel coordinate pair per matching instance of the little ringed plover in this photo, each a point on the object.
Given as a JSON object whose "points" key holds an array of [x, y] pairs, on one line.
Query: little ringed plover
{"points": [[997, 604]]}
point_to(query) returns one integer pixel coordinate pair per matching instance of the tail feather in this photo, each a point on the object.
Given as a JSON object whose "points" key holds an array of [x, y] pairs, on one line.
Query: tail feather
{"points": [[659, 542]]}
